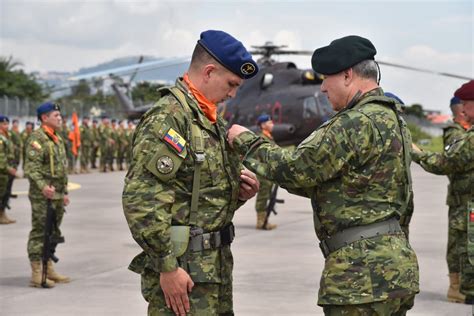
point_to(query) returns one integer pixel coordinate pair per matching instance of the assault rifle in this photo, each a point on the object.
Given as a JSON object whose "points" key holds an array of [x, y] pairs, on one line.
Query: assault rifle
{"points": [[271, 204], [50, 241]]}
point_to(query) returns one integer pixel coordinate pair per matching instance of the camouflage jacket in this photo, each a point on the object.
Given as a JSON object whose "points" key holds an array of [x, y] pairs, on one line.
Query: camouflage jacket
{"points": [[39, 151], [105, 134], [17, 144], [7, 156], [353, 169], [457, 158], [95, 138], [24, 140], [458, 182], [86, 136], [158, 186]]}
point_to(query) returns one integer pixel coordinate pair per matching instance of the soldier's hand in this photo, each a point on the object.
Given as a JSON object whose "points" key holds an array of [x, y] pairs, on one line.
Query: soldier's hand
{"points": [[176, 285], [48, 191], [415, 148], [235, 131], [66, 200], [249, 185]]}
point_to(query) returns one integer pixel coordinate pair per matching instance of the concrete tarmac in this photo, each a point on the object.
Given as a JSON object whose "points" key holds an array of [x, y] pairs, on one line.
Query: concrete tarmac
{"points": [[276, 272]]}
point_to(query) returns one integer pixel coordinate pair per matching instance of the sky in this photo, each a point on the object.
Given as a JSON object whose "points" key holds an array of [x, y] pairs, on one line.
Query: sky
{"points": [[66, 35]]}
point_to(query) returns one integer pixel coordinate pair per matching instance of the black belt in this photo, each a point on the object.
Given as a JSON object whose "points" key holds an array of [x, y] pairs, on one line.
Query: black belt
{"points": [[353, 234], [212, 240]]}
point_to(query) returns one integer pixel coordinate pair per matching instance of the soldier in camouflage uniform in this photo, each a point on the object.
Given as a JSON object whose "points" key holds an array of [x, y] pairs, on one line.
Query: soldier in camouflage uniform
{"points": [[29, 127], [107, 144], [64, 133], [95, 144], [117, 143], [128, 137], [263, 196], [46, 167], [457, 186], [86, 144], [122, 145], [16, 140], [457, 161], [7, 168], [355, 170], [183, 185]]}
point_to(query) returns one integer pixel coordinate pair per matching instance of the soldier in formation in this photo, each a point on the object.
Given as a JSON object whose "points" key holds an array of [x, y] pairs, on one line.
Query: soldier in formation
{"points": [[46, 166], [95, 141], [265, 123], [355, 170], [29, 127], [185, 183], [8, 168], [86, 144], [457, 161]]}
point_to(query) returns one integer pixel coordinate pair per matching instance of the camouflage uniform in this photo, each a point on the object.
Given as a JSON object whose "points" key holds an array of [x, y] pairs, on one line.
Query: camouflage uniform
{"points": [[106, 140], [24, 140], [158, 194], [128, 148], [64, 133], [122, 146], [17, 146], [458, 159], [265, 189], [353, 170], [457, 182], [7, 158], [95, 146], [86, 146], [39, 150]]}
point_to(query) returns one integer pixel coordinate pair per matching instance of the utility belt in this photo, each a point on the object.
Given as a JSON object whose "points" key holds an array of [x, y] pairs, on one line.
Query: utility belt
{"points": [[195, 239], [353, 234]]}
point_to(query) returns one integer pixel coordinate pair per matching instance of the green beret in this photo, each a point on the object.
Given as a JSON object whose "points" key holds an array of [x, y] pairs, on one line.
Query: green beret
{"points": [[342, 54]]}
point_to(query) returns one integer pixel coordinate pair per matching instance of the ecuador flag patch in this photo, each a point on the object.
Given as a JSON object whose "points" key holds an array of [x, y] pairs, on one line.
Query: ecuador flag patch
{"points": [[175, 140]]}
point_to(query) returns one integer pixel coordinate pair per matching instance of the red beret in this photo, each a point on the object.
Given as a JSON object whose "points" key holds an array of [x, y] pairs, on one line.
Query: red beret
{"points": [[466, 92]]}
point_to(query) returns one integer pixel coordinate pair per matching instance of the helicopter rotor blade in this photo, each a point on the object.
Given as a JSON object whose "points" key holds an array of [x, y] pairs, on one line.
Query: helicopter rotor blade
{"points": [[424, 70], [132, 77]]}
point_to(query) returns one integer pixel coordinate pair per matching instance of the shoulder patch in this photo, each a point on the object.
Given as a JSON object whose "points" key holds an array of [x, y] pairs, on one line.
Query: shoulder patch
{"points": [[175, 140], [36, 145]]}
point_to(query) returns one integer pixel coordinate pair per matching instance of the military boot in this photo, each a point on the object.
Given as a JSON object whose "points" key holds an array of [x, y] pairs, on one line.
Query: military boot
{"points": [[261, 220], [453, 292], [4, 219], [36, 275], [56, 277]]}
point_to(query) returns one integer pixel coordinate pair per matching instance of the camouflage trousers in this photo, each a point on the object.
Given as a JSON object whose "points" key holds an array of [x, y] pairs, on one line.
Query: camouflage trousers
{"points": [[106, 157], [38, 219], [205, 298], [390, 307], [85, 156], [466, 268], [3, 190], [263, 195], [454, 242], [93, 155]]}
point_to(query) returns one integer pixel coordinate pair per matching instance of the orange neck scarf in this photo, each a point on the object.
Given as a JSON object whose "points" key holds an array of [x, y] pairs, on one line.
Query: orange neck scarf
{"points": [[209, 108], [464, 124], [50, 132], [267, 133]]}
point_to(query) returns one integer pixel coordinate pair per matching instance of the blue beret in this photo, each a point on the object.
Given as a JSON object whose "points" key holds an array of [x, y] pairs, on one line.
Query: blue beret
{"points": [[263, 118], [4, 118], [466, 92], [393, 96], [342, 54], [47, 107], [454, 101], [229, 52]]}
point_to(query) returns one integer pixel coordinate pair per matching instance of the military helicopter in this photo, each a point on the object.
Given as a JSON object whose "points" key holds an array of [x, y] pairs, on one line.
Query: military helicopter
{"points": [[290, 95]]}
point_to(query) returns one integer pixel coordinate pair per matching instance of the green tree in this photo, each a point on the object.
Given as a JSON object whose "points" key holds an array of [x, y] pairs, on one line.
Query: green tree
{"points": [[146, 92], [415, 110]]}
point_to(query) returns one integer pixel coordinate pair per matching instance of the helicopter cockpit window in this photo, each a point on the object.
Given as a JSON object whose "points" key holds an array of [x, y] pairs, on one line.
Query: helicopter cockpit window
{"points": [[309, 107], [267, 80], [324, 106]]}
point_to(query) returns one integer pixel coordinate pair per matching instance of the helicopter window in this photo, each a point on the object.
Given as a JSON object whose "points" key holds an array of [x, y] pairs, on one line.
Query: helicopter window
{"points": [[309, 107], [267, 80], [324, 106]]}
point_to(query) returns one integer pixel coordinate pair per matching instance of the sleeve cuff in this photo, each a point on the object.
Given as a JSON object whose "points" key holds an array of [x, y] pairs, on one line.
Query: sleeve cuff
{"points": [[167, 263]]}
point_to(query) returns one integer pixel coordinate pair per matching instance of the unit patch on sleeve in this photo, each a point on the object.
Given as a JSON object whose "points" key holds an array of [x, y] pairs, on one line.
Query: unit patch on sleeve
{"points": [[175, 140]]}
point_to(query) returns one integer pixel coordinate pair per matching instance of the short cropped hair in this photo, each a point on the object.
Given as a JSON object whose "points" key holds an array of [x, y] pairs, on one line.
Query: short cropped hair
{"points": [[201, 57], [366, 69]]}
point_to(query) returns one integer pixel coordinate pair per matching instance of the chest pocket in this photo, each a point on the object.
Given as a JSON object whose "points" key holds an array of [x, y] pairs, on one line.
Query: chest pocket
{"points": [[213, 166]]}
